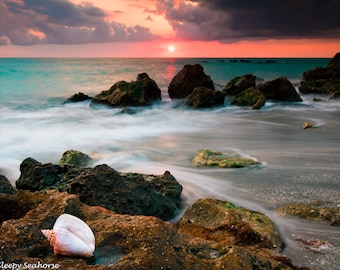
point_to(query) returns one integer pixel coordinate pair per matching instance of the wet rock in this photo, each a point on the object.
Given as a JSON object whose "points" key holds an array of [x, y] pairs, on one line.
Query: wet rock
{"points": [[127, 193], [223, 222], [141, 92], [307, 125], [322, 80], [188, 78], [251, 97], [5, 185], [203, 97], [280, 89], [36, 176], [238, 84], [79, 97], [134, 242], [213, 158], [74, 158], [315, 212]]}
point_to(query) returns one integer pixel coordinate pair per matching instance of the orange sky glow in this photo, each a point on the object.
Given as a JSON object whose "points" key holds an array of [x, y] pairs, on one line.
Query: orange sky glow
{"points": [[162, 27]]}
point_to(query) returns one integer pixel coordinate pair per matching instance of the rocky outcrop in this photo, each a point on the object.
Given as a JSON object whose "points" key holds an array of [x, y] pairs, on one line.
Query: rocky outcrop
{"points": [[322, 80], [144, 91], [141, 242], [188, 78], [213, 158], [79, 97], [315, 211], [203, 97], [280, 89], [5, 185], [128, 193], [250, 97], [75, 158], [238, 84], [125, 193]]}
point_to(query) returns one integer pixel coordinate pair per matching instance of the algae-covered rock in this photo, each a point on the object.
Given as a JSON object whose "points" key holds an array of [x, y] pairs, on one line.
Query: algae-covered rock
{"points": [[314, 211], [75, 158], [223, 222], [203, 97], [250, 97], [213, 158], [238, 84]]}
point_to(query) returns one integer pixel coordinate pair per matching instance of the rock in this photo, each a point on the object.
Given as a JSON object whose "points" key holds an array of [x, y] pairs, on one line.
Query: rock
{"points": [[36, 176], [128, 193], [322, 80], [238, 84], [79, 97], [315, 212], [75, 158], [335, 95], [188, 78], [251, 97], [280, 89], [203, 97], [223, 222], [5, 186], [306, 125], [213, 158], [126, 242], [141, 92]]}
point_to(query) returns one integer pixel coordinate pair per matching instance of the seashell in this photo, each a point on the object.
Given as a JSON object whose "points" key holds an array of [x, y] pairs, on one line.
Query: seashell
{"points": [[71, 236]]}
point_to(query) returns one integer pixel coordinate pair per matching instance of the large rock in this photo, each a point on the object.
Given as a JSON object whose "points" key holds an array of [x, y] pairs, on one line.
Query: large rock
{"points": [[188, 78], [203, 97], [128, 193], [36, 176], [5, 185], [213, 158], [250, 97], [141, 92], [238, 84], [225, 223], [322, 80], [130, 242], [280, 89]]}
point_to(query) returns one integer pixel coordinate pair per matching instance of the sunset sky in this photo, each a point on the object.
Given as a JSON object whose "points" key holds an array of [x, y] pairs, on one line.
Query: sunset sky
{"points": [[169, 28]]}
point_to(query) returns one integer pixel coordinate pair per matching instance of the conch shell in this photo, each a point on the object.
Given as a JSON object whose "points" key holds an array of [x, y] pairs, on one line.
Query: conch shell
{"points": [[71, 236]]}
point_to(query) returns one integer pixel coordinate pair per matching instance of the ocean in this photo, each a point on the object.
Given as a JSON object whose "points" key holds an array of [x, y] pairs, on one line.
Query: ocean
{"points": [[298, 165]]}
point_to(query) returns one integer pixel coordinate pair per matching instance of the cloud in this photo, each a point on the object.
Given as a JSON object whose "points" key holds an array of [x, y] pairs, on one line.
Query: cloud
{"points": [[234, 20], [29, 22]]}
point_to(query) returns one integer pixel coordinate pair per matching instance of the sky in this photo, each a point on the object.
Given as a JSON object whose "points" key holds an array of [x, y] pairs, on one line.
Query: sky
{"points": [[169, 28]]}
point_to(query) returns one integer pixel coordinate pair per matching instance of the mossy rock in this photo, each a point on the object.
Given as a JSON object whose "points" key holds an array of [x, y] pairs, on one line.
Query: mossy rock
{"points": [[213, 158], [251, 97], [75, 158], [315, 212]]}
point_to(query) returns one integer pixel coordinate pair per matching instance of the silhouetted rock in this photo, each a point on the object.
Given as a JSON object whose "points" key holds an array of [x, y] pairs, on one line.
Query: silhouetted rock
{"points": [[280, 89], [188, 78], [5, 185], [203, 97], [238, 84], [141, 92], [79, 97], [322, 80], [251, 97]]}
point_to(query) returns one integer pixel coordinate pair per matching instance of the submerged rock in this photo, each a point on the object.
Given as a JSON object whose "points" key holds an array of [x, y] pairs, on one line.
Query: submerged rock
{"points": [[322, 80], [203, 97], [141, 92], [213, 158], [251, 97], [238, 84], [280, 89], [315, 212], [187, 79], [136, 242]]}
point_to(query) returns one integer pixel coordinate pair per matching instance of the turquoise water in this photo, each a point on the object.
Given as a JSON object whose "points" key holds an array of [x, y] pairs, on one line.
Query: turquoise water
{"points": [[298, 165]]}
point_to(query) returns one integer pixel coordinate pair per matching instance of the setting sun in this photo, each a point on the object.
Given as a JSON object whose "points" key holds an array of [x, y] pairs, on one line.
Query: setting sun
{"points": [[171, 48]]}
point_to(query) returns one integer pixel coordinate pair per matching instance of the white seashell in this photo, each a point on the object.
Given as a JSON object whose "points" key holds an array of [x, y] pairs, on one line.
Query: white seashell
{"points": [[71, 236]]}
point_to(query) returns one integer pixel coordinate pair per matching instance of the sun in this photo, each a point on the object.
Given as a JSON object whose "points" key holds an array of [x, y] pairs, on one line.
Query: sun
{"points": [[171, 48]]}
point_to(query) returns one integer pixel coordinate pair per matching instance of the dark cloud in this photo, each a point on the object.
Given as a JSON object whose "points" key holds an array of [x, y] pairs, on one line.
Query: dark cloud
{"points": [[29, 22], [234, 20]]}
